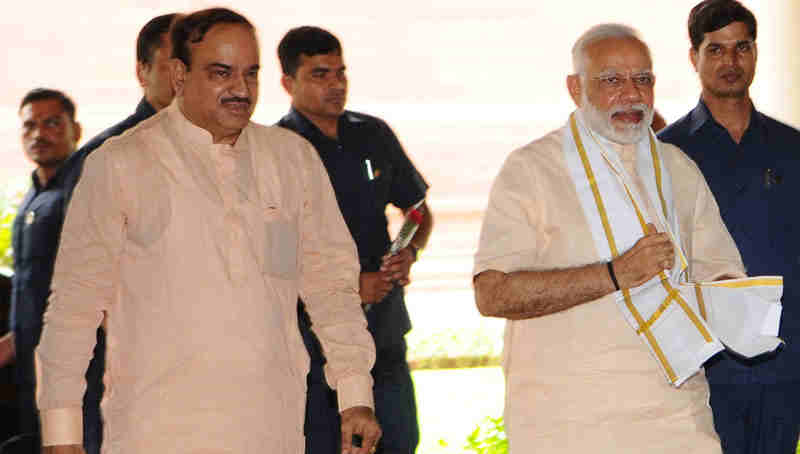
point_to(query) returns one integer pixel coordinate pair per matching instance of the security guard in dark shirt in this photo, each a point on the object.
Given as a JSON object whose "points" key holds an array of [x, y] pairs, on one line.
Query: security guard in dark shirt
{"points": [[49, 136], [368, 170], [752, 165]]}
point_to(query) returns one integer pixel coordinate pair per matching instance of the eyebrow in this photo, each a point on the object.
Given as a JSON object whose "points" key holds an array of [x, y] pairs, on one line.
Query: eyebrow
{"points": [[219, 65], [325, 69], [734, 42], [614, 72]]}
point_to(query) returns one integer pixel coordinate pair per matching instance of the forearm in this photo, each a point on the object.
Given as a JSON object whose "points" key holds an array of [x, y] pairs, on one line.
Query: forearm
{"points": [[8, 350], [531, 294]]}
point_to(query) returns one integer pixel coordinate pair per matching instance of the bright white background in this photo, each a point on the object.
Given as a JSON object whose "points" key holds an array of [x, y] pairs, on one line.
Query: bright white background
{"points": [[463, 82]]}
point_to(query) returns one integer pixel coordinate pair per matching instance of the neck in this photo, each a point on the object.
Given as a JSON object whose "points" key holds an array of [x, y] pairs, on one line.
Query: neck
{"points": [[225, 137], [153, 102], [329, 125], [44, 174], [732, 113]]}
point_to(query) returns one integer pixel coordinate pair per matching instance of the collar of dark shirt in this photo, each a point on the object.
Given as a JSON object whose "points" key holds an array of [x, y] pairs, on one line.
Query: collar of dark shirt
{"points": [[144, 109], [307, 128], [701, 116]]}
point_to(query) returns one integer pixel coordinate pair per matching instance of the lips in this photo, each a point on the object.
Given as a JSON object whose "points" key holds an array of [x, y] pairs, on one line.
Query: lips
{"points": [[628, 116], [237, 106]]}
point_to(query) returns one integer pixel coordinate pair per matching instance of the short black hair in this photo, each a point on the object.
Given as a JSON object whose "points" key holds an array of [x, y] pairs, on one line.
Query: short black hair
{"points": [[40, 94], [150, 37], [192, 28], [711, 15], [306, 40]]}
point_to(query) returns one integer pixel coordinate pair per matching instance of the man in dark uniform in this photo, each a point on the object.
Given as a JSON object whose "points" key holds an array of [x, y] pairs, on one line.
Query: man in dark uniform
{"points": [[153, 69], [751, 163], [50, 135], [368, 169]]}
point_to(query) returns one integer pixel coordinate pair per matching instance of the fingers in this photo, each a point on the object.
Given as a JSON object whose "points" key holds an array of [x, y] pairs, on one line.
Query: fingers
{"points": [[651, 229], [370, 434], [347, 437]]}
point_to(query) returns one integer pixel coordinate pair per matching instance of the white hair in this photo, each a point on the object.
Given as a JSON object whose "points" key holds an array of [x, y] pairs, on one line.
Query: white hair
{"points": [[598, 33]]}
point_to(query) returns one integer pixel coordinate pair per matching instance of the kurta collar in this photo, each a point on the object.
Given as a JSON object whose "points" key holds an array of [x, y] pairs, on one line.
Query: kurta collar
{"points": [[190, 133]]}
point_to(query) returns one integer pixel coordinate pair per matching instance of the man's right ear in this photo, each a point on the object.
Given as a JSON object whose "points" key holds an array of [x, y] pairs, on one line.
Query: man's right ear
{"points": [[286, 82], [179, 71], [574, 87], [141, 69]]}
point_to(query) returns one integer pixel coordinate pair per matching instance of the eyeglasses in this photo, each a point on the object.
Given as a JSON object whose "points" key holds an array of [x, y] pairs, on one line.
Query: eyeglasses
{"points": [[615, 81]]}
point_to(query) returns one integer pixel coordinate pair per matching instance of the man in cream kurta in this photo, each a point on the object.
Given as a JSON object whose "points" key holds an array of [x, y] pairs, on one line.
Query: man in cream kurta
{"points": [[195, 232], [578, 378]]}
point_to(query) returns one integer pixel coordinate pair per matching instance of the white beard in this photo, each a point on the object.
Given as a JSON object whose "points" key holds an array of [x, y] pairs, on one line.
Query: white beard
{"points": [[600, 121]]}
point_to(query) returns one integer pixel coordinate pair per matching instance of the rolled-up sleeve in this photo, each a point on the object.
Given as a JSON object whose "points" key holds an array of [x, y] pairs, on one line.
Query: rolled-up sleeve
{"points": [[329, 287], [85, 276]]}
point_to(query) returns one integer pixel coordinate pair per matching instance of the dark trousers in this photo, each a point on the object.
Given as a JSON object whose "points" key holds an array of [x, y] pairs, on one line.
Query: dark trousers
{"points": [[92, 420], [395, 406], [757, 418]]}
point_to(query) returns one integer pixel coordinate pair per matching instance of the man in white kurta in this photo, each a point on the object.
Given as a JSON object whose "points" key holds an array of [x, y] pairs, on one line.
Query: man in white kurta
{"points": [[194, 233], [578, 378]]}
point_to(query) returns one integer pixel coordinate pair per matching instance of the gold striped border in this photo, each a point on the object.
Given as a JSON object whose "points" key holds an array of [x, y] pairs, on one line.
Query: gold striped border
{"points": [[614, 252]]}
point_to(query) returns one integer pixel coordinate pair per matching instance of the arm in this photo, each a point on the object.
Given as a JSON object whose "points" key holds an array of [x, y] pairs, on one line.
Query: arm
{"points": [[8, 349], [529, 294], [83, 286], [328, 285]]}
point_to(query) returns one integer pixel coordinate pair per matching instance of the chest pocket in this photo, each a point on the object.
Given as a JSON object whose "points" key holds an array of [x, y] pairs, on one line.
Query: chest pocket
{"points": [[280, 242], [381, 182]]}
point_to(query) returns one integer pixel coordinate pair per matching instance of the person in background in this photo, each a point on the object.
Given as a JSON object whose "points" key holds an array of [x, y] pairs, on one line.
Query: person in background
{"points": [[751, 162], [368, 170], [49, 135]]}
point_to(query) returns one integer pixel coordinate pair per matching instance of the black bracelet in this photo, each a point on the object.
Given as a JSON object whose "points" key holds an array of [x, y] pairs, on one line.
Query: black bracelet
{"points": [[613, 276]]}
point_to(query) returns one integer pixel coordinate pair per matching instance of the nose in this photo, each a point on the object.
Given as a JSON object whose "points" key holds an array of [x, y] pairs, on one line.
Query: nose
{"points": [[239, 87], [630, 92], [34, 132], [339, 82]]}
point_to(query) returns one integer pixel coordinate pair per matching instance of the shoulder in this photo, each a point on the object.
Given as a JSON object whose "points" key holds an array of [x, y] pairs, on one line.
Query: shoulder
{"points": [[782, 130], [360, 117], [539, 151], [677, 131], [280, 142], [537, 162], [133, 142]]}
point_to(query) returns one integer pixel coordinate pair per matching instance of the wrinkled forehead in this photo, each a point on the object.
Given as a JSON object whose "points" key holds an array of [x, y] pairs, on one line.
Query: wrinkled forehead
{"points": [[619, 55]]}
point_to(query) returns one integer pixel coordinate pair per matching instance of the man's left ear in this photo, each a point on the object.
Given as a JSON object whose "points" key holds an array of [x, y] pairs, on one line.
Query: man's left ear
{"points": [[574, 87], [179, 71]]}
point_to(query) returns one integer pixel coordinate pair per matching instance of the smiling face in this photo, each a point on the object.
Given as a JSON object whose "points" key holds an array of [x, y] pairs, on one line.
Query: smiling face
{"points": [[615, 92], [220, 89], [319, 87], [726, 61]]}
